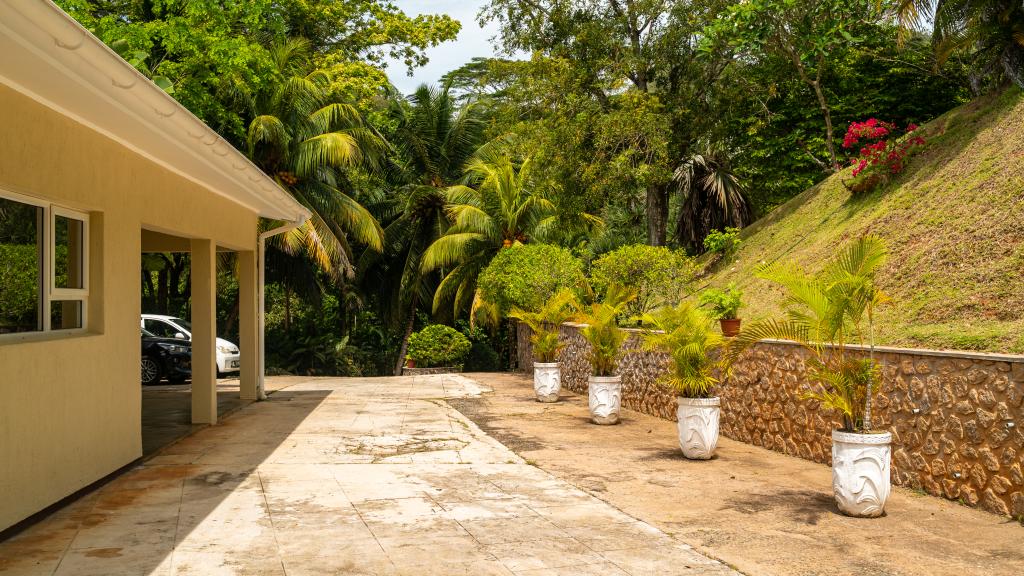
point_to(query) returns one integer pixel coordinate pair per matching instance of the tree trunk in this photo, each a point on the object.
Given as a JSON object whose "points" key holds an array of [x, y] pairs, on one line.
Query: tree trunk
{"points": [[657, 215], [404, 348], [163, 290]]}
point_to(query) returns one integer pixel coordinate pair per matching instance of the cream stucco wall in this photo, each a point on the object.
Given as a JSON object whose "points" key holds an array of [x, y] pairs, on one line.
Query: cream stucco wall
{"points": [[70, 406]]}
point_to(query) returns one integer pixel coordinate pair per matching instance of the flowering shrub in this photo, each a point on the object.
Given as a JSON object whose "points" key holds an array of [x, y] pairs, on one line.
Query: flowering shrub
{"points": [[882, 153]]}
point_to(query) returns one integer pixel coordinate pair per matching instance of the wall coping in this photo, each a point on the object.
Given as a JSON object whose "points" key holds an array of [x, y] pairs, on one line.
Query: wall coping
{"points": [[956, 354]]}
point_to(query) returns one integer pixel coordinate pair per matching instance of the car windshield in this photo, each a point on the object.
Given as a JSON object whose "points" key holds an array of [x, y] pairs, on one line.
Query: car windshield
{"points": [[183, 323], [147, 333]]}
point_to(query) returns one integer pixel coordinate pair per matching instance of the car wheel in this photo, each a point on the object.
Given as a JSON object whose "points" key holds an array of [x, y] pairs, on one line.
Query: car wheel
{"points": [[150, 371]]}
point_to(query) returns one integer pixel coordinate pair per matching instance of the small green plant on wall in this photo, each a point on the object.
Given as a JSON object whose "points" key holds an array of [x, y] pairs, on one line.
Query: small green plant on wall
{"points": [[723, 304], [545, 323], [438, 345], [687, 335], [602, 332]]}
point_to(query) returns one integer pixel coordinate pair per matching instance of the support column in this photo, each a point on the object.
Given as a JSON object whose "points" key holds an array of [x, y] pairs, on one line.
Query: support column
{"points": [[204, 332], [247, 328]]}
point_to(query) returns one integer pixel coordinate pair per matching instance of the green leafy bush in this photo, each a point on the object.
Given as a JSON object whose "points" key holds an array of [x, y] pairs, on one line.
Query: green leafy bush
{"points": [[656, 274], [725, 242], [438, 345], [724, 304], [524, 277], [482, 356]]}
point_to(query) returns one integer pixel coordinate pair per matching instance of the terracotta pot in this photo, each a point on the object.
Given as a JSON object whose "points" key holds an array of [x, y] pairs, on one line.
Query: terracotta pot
{"points": [[730, 326], [547, 381], [410, 363], [860, 472], [698, 426]]}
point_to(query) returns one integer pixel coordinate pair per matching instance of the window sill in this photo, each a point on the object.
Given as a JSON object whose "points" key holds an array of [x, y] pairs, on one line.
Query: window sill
{"points": [[51, 336]]}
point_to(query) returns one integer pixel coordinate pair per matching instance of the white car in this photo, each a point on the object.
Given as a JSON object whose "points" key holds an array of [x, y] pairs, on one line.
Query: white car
{"points": [[228, 359]]}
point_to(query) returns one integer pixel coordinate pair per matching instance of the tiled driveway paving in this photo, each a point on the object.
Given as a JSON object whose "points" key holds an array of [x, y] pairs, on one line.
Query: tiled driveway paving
{"points": [[355, 477]]}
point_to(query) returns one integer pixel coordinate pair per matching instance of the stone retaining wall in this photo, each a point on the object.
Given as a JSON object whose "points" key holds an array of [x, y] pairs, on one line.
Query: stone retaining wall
{"points": [[957, 418]]}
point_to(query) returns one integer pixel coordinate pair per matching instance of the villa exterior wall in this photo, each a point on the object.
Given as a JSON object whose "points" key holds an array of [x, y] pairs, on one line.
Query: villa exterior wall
{"points": [[957, 418], [70, 404]]}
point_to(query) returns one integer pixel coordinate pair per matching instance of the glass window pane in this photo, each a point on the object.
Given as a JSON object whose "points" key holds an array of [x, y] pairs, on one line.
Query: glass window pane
{"points": [[21, 245], [65, 315], [69, 256]]}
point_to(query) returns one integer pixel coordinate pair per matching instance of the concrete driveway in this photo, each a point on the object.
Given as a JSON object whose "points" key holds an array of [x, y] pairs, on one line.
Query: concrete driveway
{"points": [[355, 477]]}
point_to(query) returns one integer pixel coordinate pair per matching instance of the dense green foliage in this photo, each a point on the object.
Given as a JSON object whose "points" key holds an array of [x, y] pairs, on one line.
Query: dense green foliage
{"points": [[525, 277], [665, 123], [438, 345], [656, 274]]}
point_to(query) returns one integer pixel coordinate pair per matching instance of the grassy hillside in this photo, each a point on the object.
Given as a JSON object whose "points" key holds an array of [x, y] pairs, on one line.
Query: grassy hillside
{"points": [[954, 222]]}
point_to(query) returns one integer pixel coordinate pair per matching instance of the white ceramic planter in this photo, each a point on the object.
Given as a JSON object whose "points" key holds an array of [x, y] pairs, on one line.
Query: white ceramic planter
{"points": [[698, 426], [547, 381], [605, 398], [860, 472]]}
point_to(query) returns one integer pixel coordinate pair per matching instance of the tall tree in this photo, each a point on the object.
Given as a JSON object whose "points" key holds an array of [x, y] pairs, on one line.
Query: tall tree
{"points": [[194, 45], [497, 206], [434, 137], [631, 75], [304, 138], [990, 32], [808, 35]]}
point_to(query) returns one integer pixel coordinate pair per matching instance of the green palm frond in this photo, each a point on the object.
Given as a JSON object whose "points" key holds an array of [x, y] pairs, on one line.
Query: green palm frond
{"points": [[269, 130], [450, 249]]}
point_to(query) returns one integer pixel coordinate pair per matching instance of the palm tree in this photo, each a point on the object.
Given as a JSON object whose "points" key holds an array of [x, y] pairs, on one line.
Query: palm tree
{"points": [[825, 313], [687, 335], [305, 138], [495, 207], [711, 198], [992, 31], [433, 137]]}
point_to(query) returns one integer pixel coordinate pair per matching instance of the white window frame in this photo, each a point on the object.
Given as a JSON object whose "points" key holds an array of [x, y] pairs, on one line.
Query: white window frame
{"points": [[48, 282]]}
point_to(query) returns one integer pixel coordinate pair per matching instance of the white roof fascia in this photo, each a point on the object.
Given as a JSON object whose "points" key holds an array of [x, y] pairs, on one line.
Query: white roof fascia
{"points": [[48, 56]]}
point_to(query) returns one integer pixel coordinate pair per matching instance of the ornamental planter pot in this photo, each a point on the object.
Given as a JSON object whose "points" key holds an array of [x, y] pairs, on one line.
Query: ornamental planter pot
{"points": [[698, 426], [860, 472], [605, 399], [730, 326], [547, 381]]}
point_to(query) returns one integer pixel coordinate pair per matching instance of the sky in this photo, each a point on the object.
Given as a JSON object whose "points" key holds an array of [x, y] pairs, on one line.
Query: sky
{"points": [[472, 42]]}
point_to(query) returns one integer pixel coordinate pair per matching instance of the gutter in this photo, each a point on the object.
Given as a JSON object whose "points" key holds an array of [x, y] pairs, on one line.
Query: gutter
{"points": [[261, 362]]}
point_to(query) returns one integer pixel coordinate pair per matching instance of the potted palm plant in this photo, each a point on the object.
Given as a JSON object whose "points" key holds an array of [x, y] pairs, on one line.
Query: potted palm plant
{"points": [[606, 339], [725, 306], [687, 335], [826, 313], [544, 324]]}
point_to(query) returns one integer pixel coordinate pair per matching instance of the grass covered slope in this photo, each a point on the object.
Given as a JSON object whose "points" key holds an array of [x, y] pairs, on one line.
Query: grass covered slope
{"points": [[954, 224]]}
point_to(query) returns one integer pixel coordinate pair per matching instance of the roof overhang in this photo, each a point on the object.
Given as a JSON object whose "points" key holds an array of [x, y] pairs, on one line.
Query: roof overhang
{"points": [[46, 55]]}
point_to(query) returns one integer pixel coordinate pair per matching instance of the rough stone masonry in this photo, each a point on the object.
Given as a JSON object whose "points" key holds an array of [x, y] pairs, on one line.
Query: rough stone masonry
{"points": [[957, 418]]}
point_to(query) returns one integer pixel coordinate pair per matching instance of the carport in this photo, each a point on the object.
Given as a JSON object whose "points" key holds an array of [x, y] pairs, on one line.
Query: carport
{"points": [[99, 165]]}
